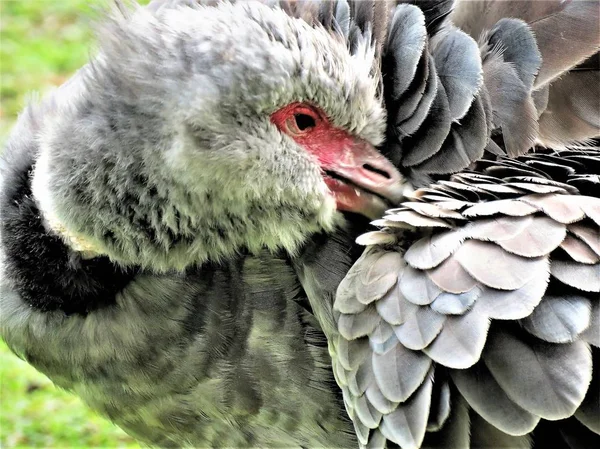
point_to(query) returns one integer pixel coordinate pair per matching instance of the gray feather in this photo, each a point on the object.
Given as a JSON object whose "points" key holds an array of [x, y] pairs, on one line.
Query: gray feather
{"points": [[420, 329], [591, 207], [456, 304], [514, 111], [378, 400], [359, 325], [399, 372], [339, 373], [489, 400], [519, 48], [559, 319], [589, 234], [514, 304], [417, 287], [362, 431], [538, 186], [456, 431], [440, 405], [547, 380], [579, 251], [382, 333], [403, 110], [451, 277], [589, 412], [538, 239], [592, 334], [540, 99], [432, 210], [497, 229], [582, 276], [461, 341], [405, 46], [394, 308], [496, 268], [342, 16], [360, 379], [512, 208], [377, 274], [376, 440], [428, 139], [578, 25], [406, 425], [464, 144], [483, 434], [561, 208], [459, 69], [566, 31], [367, 414], [572, 113], [351, 353], [430, 251], [417, 220], [415, 119], [345, 300], [435, 11]]}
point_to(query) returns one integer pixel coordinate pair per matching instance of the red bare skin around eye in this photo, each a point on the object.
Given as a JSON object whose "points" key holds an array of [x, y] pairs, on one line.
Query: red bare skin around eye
{"points": [[365, 170], [325, 141]]}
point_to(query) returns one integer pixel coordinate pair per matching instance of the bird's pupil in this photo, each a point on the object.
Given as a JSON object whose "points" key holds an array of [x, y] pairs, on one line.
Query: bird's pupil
{"points": [[304, 121]]}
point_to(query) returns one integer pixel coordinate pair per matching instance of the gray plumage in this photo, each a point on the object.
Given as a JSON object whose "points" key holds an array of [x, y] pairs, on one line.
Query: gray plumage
{"points": [[148, 161], [518, 339]]}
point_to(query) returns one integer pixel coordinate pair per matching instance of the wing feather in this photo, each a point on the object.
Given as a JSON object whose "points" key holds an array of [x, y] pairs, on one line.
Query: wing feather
{"points": [[496, 268], [581, 276], [417, 287], [547, 380], [432, 250], [420, 329], [406, 425], [459, 68], [579, 251], [461, 340], [399, 372], [559, 319], [488, 399], [395, 308]]}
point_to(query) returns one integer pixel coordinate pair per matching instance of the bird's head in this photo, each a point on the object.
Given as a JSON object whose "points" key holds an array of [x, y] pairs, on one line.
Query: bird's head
{"points": [[199, 131]]}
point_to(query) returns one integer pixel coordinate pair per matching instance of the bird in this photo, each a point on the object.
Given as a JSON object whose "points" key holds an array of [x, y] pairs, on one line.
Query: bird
{"points": [[179, 220], [472, 318]]}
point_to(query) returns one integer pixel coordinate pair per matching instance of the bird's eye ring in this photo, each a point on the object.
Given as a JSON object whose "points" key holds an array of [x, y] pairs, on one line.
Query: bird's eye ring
{"points": [[298, 120]]}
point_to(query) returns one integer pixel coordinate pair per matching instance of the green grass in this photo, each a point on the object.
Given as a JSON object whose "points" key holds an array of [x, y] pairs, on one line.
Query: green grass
{"points": [[41, 43], [34, 413]]}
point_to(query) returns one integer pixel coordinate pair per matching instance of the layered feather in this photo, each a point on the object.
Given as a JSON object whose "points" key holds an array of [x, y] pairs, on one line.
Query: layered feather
{"points": [[503, 298], [567, 34]]}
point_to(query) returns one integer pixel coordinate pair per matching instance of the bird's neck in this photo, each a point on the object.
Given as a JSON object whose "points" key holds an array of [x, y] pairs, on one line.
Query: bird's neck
{"points": [[162, 229]]}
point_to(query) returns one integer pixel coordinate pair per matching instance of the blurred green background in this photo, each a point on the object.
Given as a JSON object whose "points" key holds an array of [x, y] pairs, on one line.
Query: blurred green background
{"points": [[41, 43]]}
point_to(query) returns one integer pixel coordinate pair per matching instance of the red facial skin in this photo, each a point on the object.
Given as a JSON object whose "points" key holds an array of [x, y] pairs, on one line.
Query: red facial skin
{"points": [[370, 175]]}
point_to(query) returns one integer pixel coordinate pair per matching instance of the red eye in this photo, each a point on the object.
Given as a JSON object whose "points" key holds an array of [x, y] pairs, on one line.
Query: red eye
{"points": [[297, 120]]}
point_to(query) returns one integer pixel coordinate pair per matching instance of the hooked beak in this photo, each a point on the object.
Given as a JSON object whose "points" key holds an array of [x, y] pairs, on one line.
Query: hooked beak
{"points": [[363, 181]]}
